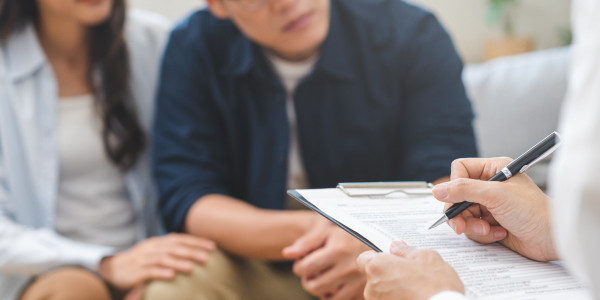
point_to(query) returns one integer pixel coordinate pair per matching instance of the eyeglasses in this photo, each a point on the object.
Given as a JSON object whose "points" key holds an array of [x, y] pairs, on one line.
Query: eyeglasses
{"points": [[251, 5]]}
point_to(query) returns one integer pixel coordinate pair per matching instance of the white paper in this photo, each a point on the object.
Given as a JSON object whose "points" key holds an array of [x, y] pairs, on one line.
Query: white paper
{"points": [[488, 271]]}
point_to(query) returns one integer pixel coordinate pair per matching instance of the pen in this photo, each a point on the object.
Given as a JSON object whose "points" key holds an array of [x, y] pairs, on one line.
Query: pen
{"points": [[525, 161]]}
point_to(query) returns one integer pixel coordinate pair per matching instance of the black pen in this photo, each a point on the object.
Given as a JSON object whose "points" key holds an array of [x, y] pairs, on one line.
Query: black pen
{"points": [[525, 161]]}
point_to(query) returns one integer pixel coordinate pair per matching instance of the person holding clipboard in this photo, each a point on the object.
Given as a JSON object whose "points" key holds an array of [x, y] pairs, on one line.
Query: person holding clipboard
{"points": [[516, 212]]}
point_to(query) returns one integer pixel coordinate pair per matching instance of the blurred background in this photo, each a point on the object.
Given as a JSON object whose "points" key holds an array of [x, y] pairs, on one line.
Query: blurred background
{"points": [[481, 29]]}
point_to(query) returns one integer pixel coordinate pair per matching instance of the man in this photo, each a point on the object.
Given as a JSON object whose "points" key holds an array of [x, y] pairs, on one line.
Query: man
{"points": [[516, 213], [260, 96]]}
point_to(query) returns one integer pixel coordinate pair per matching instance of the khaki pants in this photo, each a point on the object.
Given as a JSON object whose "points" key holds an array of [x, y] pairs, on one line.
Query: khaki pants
{"points": [[67, 284], [226, 277]]}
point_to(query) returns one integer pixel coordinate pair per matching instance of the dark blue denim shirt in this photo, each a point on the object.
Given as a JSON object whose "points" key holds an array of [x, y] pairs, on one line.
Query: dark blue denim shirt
{"points": [[385, 101]]}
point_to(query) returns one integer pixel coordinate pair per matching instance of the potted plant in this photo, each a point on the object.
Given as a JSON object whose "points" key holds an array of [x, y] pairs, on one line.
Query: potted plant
{"points": [[501, 13]]}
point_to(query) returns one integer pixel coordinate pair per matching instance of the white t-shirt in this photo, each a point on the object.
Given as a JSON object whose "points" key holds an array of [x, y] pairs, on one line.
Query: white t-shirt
{"points": [[92, 204], [291, 73]]}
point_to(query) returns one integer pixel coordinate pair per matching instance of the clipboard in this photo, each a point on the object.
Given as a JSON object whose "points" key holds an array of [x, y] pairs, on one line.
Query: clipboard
{"points": [[294, 194], [368, 189], [368, 220], [384, 188]]}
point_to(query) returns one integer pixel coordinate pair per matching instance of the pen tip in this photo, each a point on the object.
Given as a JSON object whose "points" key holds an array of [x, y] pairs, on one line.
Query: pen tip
{"points": [[440, 221]]}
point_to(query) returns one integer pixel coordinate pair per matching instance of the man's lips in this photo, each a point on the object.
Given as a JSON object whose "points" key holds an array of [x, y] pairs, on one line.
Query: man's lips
{"points": [[298, 23], [90, 2]]}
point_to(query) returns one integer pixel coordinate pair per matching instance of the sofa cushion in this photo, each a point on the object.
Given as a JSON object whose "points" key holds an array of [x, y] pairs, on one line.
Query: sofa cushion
{"points": [[517, 100]]}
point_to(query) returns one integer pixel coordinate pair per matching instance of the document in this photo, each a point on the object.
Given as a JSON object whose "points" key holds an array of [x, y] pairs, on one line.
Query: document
{"points": [[488, 271]]}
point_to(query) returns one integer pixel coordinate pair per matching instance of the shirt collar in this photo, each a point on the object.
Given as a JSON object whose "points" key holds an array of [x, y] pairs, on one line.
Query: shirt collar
{"points": [[240, 58], [23, 53], [334, 54]]}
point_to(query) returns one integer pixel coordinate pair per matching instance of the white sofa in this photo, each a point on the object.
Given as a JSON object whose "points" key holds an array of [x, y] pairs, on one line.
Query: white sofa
{"points": [[517, 101]]}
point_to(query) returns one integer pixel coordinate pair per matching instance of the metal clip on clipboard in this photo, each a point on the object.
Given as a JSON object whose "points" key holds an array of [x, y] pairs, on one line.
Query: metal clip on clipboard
{"points": [[382, 189]]}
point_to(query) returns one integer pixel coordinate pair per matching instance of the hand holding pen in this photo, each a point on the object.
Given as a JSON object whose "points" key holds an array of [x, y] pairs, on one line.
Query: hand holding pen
{"points": [[525, 161], [514, 212]]}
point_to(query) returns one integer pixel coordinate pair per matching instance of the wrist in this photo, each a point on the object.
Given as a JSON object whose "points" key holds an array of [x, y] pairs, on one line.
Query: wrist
{"points": [[550, 249], [305, 221], [551, 253], [105, 268]]}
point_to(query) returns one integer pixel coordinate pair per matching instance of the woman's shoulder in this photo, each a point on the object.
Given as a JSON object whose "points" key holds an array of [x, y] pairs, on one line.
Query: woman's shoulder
{"points": [[146, 30], [20, 53]]}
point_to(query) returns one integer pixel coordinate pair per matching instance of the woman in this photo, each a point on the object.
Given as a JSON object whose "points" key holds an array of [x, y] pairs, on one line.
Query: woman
{"points": [[76, 90]]}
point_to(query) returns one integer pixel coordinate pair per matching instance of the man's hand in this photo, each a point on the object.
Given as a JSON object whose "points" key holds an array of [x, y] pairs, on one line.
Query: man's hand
{"points": [[326, 261], [155, 258], [514, 212], [407, 273]]}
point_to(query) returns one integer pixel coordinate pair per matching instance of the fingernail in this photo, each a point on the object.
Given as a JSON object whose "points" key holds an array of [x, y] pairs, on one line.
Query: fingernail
{"points": [[440, 191], [399, 244], [499, 234], [478, 228], [452, 225], [290, 248], [367, 254], [202, 256], [396, 245]]}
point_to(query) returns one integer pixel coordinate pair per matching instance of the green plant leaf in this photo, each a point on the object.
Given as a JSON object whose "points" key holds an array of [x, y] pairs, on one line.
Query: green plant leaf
{"points": [[499, 13]]}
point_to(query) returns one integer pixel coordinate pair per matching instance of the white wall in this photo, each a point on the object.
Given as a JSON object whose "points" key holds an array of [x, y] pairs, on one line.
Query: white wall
{"points": [[464, 19], [173, 9]]}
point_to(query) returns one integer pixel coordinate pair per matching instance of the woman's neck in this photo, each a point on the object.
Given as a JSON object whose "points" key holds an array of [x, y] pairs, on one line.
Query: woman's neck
{"points": [[63, 40], [66, 45]]}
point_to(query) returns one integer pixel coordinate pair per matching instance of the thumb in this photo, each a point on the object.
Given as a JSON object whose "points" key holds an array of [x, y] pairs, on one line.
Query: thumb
{"points": [[363, 259], [486, 193], [400, 248], [304, 245]]}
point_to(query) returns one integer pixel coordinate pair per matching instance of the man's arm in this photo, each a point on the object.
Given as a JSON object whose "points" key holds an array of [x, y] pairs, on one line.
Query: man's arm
{"points": [[193, 159], [245, 230], [436, 111]]}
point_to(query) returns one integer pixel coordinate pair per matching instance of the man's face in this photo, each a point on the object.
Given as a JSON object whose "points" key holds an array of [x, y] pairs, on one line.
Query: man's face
{"points": [[293, 29]]}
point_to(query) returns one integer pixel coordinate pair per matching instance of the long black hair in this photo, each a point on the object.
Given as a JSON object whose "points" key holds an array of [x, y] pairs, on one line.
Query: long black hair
{"points": [[122, 135]]}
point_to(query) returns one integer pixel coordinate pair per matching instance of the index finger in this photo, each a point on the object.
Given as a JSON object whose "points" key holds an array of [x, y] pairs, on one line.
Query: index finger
{"points": [[191, 241], [312, 240], [314, 263], [477, 168]]}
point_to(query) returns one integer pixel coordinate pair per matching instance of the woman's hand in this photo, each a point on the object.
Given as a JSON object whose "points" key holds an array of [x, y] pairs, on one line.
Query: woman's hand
{"points": [[155, 258], [514, 212], [407, 273]]}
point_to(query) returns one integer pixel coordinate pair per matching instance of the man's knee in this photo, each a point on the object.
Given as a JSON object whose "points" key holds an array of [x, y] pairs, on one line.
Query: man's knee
{"points": [[207, 281]]}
